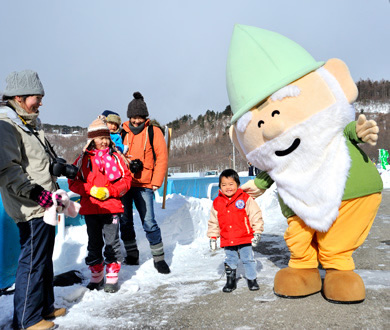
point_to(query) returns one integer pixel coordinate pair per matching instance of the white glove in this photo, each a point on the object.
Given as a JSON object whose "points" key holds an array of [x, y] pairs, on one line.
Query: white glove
{"points": [[256, 240], [213, 244]]}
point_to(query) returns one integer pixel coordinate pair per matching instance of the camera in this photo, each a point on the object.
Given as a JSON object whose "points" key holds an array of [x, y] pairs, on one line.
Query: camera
{"points": [[59, 167], [136, 166]]}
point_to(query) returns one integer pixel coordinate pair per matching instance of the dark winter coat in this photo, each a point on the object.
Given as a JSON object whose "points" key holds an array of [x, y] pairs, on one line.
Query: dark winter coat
{"points": [[235, 219], [89, 175]]}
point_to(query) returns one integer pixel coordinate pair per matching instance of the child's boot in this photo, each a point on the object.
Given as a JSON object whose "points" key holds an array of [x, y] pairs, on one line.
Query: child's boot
{"points": [[112, 271], [230, 279], [252, 285], [97, 277]]}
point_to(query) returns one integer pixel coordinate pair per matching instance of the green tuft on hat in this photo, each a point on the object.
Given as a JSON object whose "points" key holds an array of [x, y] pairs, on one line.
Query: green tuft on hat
{"points": [[259, 63]]}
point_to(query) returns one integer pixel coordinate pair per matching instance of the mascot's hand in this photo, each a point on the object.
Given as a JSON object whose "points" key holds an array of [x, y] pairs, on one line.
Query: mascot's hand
{"points": [[367, 130], [251, 189]]}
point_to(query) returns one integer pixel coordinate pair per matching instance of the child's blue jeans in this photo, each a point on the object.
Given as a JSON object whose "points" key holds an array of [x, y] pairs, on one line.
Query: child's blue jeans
{"points": [[245, 253]]}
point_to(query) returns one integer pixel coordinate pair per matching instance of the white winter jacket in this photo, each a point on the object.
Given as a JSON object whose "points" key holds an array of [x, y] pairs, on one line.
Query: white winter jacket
{"points": [[23, 163]]}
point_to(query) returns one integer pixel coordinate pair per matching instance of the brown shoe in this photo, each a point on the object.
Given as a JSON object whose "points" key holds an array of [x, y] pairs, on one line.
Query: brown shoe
{"points": [[42, 325], [56, 313], [297, 283], [343, 287]]}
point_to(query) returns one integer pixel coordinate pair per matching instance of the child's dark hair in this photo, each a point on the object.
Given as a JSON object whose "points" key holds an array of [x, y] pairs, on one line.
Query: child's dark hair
{"points": [[229, 173]]}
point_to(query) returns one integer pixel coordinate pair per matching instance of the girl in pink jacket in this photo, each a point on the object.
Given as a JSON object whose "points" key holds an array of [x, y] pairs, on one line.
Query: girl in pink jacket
{"points": [[236, 219]]}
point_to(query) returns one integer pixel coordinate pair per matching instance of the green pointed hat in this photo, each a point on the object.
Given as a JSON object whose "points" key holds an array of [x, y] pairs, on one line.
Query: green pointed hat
{"points": [[259, 63]]}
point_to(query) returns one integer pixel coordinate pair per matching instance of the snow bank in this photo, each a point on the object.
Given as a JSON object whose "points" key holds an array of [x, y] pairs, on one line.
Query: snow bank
{"points": [[385, 175]]}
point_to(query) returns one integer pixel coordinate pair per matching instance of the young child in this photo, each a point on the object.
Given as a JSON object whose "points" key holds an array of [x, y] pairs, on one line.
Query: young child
{"points": [[114, 123], [236, 219], [102, 180]]}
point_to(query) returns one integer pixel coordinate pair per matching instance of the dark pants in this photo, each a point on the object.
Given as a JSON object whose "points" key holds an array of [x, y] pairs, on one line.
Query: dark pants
{"points": [[34, 294], [103, 229]]}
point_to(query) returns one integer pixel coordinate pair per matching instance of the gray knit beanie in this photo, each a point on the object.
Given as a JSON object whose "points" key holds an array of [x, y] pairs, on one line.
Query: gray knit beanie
{"points": [[137, 107], [25, 82]]}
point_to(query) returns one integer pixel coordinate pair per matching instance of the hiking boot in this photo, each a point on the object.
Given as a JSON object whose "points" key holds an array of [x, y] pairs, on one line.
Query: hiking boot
{"points": [[57, 312], [161, 267], [111, 287], [132, 253], [96, 286], [252, 285], [97, 277], [131, 261], [42, 325], [231, 283]]}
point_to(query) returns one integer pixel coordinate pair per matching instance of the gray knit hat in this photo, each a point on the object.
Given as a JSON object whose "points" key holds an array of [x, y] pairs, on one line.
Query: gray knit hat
{"points": [[25, 82], [137, 107]]}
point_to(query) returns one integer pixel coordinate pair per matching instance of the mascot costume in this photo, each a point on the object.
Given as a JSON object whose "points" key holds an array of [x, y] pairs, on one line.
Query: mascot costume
{"points": [[293, 119]]}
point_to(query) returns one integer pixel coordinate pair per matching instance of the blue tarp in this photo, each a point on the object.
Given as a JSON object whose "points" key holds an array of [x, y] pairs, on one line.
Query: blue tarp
{"points": [[9, 249], [195, 187]]}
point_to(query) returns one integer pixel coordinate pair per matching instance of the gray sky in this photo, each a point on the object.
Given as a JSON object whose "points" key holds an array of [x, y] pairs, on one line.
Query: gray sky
{"points": [[91, 55]]}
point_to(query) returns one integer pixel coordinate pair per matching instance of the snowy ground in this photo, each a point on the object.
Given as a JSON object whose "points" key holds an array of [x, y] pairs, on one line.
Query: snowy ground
{"points": [[184, 225]]}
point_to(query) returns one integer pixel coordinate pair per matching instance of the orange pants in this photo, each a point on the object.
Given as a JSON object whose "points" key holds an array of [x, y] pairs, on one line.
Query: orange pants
{"points": [[334, 248]]}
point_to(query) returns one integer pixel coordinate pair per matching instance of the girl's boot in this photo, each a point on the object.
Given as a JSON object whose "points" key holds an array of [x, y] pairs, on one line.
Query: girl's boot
{"points": [[112, 271], [97, 277], [231, 279]]}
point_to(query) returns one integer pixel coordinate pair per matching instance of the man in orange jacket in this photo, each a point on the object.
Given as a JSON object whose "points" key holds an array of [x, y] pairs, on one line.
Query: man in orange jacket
{"points": [[148, 171]]}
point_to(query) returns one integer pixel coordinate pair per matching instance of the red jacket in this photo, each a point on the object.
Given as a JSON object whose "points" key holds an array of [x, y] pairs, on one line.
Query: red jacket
{"points": [[89, 175], [235, 219], [153, 173]]}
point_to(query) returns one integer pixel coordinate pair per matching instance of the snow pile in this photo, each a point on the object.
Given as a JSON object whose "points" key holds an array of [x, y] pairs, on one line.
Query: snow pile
{"points": [[385, 175]]}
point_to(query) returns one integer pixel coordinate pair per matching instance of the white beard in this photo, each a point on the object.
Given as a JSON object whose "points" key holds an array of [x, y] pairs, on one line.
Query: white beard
{"points": [[311, 179]]}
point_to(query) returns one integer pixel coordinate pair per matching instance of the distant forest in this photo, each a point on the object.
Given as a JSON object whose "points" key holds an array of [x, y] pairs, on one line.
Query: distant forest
{"points": [[373, 90], [203, 143], [368, 91]]}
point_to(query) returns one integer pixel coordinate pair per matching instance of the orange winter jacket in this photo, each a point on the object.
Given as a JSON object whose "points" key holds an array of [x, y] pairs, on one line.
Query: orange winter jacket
{"points": [[153, 173]]}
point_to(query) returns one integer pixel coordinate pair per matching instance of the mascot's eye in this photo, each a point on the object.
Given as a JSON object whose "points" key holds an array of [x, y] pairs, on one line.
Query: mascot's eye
{"points": [[261, 122], [275, 112]]}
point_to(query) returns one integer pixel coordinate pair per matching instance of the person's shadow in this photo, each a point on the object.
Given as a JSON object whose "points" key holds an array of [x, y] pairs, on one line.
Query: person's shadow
{"points": [[274, 248]]}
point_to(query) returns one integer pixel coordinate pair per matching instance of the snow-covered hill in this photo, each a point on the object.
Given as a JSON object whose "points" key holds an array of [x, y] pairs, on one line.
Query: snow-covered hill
{"points": [[372, 107]]}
